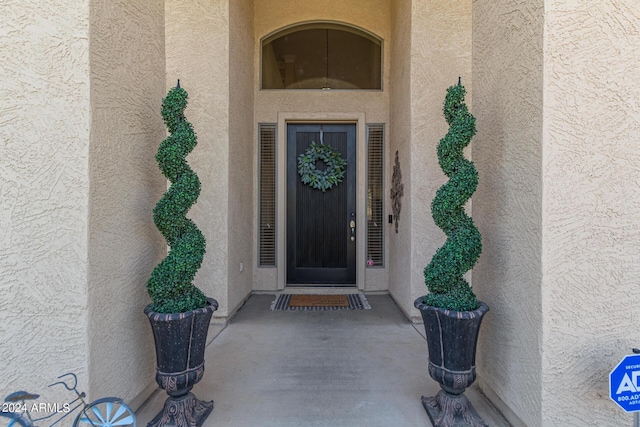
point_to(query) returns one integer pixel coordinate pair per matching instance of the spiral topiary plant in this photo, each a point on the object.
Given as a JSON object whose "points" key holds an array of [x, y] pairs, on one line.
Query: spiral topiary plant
{"points": [[444, 274], [170, 286]]}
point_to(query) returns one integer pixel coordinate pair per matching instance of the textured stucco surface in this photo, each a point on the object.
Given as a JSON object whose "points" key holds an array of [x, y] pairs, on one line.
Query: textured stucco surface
{"points": [[507, 207], [591, 209], [555, 90], [272, 15], [400, 141], [44, 189], [555, 86], [209, 47], [197, 53], [127, 87], [241, 150], [427, 44], [440, 50]]}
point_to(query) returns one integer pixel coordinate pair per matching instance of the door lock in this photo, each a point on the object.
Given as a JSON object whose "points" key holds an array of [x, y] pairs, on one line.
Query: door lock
{"points": [[352, 224]]}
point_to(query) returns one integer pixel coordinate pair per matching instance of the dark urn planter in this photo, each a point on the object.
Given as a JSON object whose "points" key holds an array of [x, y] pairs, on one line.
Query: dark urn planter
{"points": [[452, 337], [180, 340]]}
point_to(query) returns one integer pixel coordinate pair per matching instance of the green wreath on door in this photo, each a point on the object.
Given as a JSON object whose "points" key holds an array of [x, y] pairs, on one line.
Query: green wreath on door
{"points": [[321, 179]]}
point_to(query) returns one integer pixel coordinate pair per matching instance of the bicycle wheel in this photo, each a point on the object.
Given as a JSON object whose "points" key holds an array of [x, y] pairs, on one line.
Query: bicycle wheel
{"points": [[106, 412], [10, 419]]}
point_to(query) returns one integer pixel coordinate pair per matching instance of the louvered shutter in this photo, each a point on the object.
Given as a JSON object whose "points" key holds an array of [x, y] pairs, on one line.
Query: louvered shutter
{"points": [[267, 195], [375, 195]]}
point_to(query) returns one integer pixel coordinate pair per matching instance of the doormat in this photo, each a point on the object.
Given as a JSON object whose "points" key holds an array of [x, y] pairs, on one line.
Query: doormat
{"points": [[320, 302]]}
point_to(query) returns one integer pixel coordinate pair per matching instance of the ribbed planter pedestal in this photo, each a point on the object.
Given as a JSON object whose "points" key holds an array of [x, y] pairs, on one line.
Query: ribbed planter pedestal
{"points": [[452, 337], [180, 340]]}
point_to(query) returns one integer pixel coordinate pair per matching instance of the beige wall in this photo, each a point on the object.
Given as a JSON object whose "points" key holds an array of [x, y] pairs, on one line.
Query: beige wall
{"points": [[400, 140], [418, 67], [558, 157], [272, 15], [241, 151], [44, 188], [209, 48], [127, 86], [554, 93], [591, 227], [507, 151], [197, 53], [440, 51]]}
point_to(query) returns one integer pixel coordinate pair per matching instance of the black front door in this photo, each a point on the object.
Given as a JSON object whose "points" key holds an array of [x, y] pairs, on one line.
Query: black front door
{"points": [[321, 246]]}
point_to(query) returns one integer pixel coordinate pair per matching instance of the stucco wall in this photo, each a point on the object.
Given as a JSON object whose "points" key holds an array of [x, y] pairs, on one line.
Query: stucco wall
{"points": [[591, 227], [430, 56], [272, 15], [557, 148], [241, 151], [440, 50], [127, 87], [507, 151], [197, 53], [400, 139], [44, 193]]}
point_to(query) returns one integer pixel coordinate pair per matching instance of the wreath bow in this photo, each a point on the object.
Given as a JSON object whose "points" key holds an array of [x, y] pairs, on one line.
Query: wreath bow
{"points": [[318, 179]]}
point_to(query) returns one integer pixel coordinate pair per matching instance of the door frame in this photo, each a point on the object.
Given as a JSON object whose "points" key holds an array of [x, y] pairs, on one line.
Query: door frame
{"points": [[344, 275], [281, 239]]}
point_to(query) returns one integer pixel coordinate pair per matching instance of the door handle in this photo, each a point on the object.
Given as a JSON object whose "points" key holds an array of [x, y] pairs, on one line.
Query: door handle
{"points": [[352, 225]]}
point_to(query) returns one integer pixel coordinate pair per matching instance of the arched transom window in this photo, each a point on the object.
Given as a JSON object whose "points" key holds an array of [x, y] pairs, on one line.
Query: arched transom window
{"points": [[321, 55]]}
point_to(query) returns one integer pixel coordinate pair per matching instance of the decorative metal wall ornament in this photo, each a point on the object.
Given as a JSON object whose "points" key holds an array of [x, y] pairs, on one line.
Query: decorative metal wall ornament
{"points": [[397, 191], [321, 179]]}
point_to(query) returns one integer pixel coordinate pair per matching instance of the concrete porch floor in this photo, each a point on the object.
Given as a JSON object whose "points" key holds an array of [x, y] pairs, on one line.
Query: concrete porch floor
{"points": [[318, 368]]}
